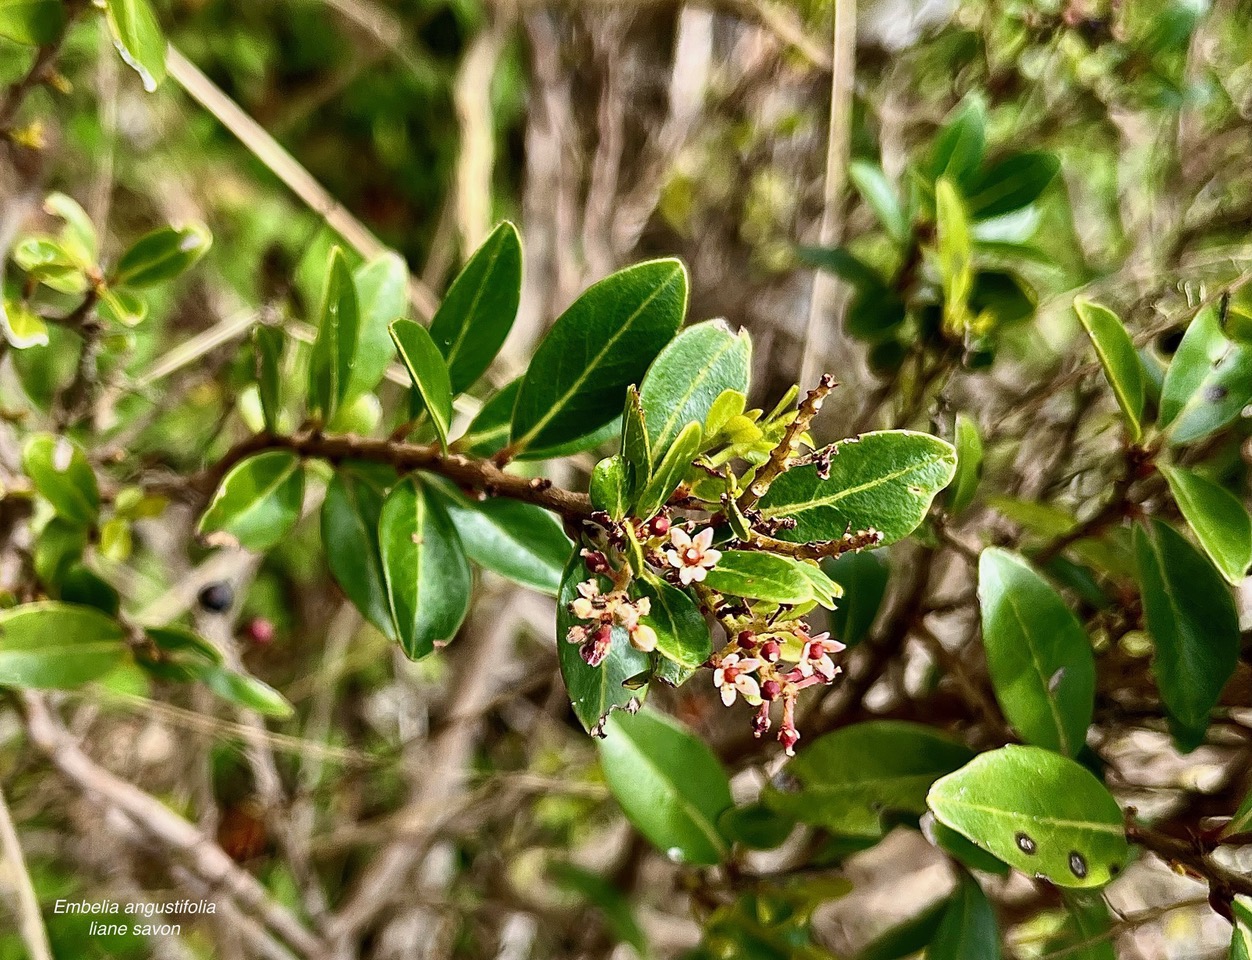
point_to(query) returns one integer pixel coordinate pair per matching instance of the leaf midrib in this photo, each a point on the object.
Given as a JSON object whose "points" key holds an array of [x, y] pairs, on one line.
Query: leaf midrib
{"points": [[834, 498]]}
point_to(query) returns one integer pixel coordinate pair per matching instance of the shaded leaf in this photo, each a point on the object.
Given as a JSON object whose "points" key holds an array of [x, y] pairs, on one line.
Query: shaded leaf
{"points": [[60, 472], [58, 646], [161, 255], [968, 928], [670, 471], [1012, 183], [428, 372], [863, 577], [609, 488], [682, 634], [350, 515], [1086, 934], [1207, 383], [601, 893], [879, 194], [907, 938], [334, 351], [1221, 523], [968, 464], [31, 22], [268, 343]]}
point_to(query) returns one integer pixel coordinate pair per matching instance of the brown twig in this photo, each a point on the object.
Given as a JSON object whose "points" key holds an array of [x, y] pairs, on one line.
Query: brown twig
{"points": [[780, 456], [1222, 881]]}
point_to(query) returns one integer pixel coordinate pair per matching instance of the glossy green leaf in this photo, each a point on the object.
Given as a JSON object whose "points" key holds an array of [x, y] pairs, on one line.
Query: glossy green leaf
{"points": [[267, 344], [334, 351], [689, 375], [1208, 382], [965, 852], [609, 488], [58, 646], [878, 193], [826, 592], [669, 784], [161, 255], [47, 260], [480, 307], [31, 22], [969, 455], [1194, 625], [173, 639], [594, 691], [60, 472], [885, 481], [428, 372], [1087, 932], [1041, 664], [682, 634], [1221, 523], [637, 451], [1037, 811], [1012, 183], [604, 342], [259, 501], [1117, 356], [517, 540], [21, 326], [244, 691], [428, 577], [968, 928], [138, 38], [489, 431], [760, 576], [864, 578], [847, 780], [382, 293], [603, 894], [1239, 945], [350, 515], [670, 471]]}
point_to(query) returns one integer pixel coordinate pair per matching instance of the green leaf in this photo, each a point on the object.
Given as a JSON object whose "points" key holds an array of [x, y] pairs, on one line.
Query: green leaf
{"points": [[517, 540], [1241, 822], [244, 691], [60, 545], [350, 515], [382, 293], [756, 826], [604, 342], [475, 317], [1238, 945], [968, 464], [864, 578], [161, 255], [669, 473], [1118, 358], [138, 38], [48, 261], [958, 148], [1208, 382], [594, 691], [689, 375], [21, 326], [965, 852], [58, 646], [610, 487], [1086, 934], [636, 447], [1194, 625], [847, 266], [123, 307], [1037, 811], [259, 501], [32, 22], [334, 351], [682, 634], [79, 235], [669, 784], [955, 247], [428, 372], [760, 576], [603, 894], [1012, 183], [1220, 521], [267, 342], [848, 779], [173, 639], [489, 431], [878, 193], [60, 472], [1038, 655], [885, 481], [427, 575], [907, 938], [968, 929]]}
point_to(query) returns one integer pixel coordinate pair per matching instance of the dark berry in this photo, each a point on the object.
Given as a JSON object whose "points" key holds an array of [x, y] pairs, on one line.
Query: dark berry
{"points": [[596, 561], [217, 597]]}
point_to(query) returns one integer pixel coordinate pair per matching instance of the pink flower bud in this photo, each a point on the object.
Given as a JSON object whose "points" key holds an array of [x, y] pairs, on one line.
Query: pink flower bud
{"points": [[659, 525], [260, 631], [771, 651], [770, 690], [747, 639]]}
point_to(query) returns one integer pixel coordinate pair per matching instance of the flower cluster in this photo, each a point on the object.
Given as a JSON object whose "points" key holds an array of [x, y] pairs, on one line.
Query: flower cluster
{"points": [[764, 668], [606, 610]]}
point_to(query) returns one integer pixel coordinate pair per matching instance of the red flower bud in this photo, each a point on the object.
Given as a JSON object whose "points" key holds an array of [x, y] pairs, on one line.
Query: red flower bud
{"points": [[747, 639], [771, 651], [659, 525], [596, 561], [770, 690], [260, 631]]}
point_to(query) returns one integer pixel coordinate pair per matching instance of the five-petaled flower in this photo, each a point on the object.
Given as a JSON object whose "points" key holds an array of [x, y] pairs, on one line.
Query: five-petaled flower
{"points": [[815, 659], [733, 676], [694, 556]]}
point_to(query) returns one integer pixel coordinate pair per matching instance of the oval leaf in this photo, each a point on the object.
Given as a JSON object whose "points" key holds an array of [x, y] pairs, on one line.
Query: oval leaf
{"points": [[670, 785], [1040, 660], [350, 514], [475, 317], [382, 292], [669, 473], [688, 375], [424, 566], [848, 779], [138, 38], [1037, 811], [968, 928], [1119, 359], [58, 646], [863, 577], [259, 501], [161, 255], [32, 22], [760, 576], [968, 464], [885, 481], [428, 372], [1194, 625], [334, 351], [1220, 521], [604, 342], [1207, 383], [682, 634], [60, 472]]}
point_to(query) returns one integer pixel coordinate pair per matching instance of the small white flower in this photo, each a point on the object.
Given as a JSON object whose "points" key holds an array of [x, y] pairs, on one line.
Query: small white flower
{"points": [[732, 677], [693, 557], [815, 659]]}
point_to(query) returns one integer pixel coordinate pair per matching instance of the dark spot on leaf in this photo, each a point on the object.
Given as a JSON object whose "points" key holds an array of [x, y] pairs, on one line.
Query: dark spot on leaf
{"points": [[1114, 869], [1026, 843], [1077, 864], [1215, 393]]}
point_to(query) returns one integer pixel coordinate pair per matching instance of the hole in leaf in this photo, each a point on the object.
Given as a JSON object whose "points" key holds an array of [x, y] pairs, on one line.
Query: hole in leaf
{"points": [[1077, 864], [1025, 843]]}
